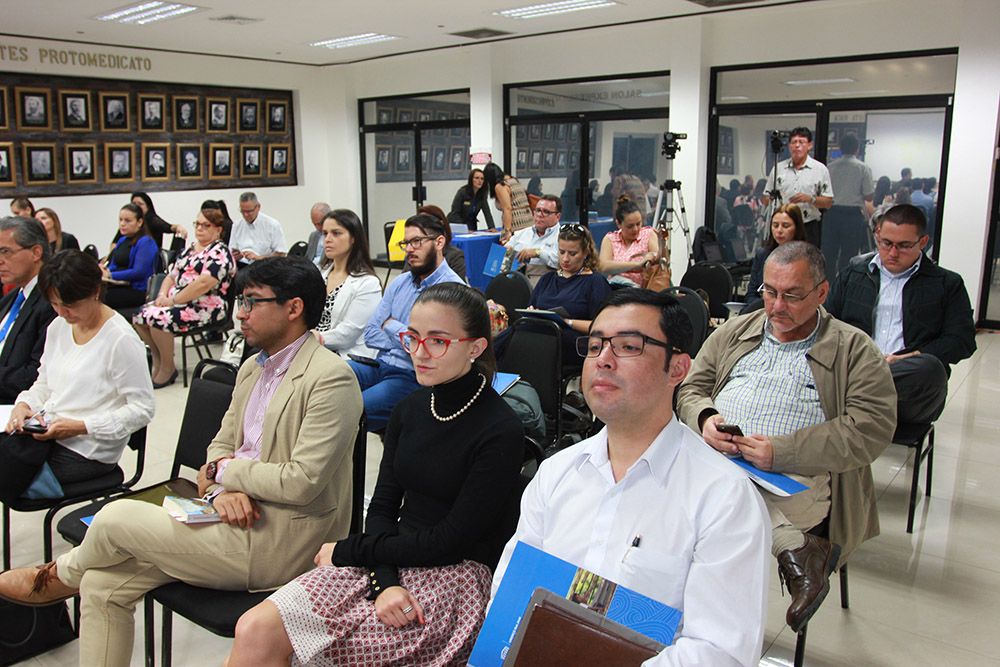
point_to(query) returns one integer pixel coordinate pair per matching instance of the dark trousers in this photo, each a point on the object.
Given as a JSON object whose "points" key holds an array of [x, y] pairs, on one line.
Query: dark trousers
{"points": [[921, 388], [814, 232], [123, 296], [21, 457], [844, 235]]}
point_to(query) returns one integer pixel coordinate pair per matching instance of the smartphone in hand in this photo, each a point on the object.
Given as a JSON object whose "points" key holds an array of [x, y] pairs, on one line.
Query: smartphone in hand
{"points": [[731, 429]]}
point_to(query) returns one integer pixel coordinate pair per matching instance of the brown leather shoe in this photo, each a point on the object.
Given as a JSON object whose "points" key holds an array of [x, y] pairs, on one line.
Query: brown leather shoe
{"points": [[806, 573], [34, 586]]}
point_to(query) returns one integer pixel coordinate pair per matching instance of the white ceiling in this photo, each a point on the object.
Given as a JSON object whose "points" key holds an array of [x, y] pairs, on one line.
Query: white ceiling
{"points": [[289, 27]]}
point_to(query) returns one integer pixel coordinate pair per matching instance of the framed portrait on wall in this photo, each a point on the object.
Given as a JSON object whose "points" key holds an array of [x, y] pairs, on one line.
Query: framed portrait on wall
{"points": [[521, 132], [217, 114], [384, 116], [277, 117], [81, 163], [8, 176], [535, 132], [250, 160], [33, 109], [39, 164], [458, 158], [152, 113], [382, 159], [277, 159], [248, 113], [441, 115], [220, 163], [574, 159], [405, 116], [549, 159], [561, 159], [536, 159], [404, 164], [424, 158], [74, 111], [185, 113], [156, 162], [548, 132], [119, 163], [561, 132], [189, 162], [574, 132], [114, 112], [423, 116], [440, 159], [4, 123], [522, 159], [459, 131]]}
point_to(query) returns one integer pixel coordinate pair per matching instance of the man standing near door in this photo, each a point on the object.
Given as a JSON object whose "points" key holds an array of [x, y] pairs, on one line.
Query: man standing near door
{"points": [[803, 180]]}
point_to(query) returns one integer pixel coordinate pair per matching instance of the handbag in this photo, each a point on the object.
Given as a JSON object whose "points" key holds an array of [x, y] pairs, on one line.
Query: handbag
{"points": [[532, 201], [656, 276], [29, 631], [232, 351]]}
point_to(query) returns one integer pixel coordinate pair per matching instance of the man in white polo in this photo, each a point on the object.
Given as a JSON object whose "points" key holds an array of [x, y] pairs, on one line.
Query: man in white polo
{"points": [[257, 235], [538, 245]]}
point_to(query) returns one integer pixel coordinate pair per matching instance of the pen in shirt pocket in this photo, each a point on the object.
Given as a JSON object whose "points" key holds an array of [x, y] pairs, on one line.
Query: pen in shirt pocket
{"points": [[636, 541]]}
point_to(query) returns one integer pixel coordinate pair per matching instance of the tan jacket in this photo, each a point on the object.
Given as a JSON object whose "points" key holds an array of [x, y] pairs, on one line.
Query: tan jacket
{"points": [[856, 393], [303, 479]]}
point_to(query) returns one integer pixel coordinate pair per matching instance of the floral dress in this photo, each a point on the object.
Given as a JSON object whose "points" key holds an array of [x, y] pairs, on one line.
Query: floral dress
{"points": [[214, 260]]}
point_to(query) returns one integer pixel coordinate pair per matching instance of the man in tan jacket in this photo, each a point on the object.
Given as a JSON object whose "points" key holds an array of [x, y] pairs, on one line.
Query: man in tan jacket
{"points": [[814, 399], [278, 473]]}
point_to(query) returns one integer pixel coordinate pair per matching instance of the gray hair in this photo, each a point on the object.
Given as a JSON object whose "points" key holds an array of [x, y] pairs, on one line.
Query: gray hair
{"points": [[321, 207], [248, 197], [28, 232], [794, 251]]}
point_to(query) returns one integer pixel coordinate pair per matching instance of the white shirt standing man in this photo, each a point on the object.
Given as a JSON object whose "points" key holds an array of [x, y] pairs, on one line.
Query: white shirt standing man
{"points": [[257, 235], [645, 503], [804, 181], [538, 245]]}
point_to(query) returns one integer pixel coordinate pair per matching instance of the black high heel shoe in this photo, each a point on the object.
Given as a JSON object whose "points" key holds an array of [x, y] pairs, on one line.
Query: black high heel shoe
{"points": [[170, 380]]}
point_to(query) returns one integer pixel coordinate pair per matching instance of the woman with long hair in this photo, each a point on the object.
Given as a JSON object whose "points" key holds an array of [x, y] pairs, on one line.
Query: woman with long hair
{"points": [[352, 288], [156, 225], [413, 587], [511, 199], [628, 249], [132, 260], [470, 199], [786, 225], [58, 239]]}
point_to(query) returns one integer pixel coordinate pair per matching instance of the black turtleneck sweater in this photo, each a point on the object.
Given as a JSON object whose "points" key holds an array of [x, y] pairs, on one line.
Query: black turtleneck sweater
{"points": [[446, 491]]}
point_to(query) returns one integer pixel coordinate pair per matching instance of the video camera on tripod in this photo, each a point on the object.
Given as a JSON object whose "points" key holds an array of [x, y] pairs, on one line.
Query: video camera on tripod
{"points": [[664, 199], [671, 145]]}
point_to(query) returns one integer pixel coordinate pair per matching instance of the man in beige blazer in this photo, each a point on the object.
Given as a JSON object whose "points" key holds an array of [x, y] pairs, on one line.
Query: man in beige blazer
{"points": [[278, 473]]}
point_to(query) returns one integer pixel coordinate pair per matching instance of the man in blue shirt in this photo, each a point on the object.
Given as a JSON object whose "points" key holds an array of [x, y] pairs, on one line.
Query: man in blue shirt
{"points": [[390, 377]]}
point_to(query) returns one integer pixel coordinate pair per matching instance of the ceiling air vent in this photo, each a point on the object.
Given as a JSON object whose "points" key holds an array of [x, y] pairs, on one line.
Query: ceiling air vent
{"points": [[715, 4], [480, 33], [236, 20]]}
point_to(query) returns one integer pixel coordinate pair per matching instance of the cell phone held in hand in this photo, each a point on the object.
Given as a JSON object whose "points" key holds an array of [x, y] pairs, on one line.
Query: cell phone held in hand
{"points": [[731, 429], [34, 428]]}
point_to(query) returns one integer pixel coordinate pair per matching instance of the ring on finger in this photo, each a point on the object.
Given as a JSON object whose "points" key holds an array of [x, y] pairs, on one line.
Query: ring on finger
{"points": [[408, 609]]}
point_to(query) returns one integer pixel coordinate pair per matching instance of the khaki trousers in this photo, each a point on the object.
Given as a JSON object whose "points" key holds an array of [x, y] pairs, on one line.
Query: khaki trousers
{"points": [[131, 548], [793, 515]]}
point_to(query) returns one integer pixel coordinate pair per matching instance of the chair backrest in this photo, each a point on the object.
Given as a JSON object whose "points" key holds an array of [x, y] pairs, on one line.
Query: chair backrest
{"points": [[535, 353], [510, 289], [298, 249], [92, 251], [154, 284], [162, 261], [207, 402], [715, 279], [217, 370], [388, 228], [360, 463], [697, 312]]}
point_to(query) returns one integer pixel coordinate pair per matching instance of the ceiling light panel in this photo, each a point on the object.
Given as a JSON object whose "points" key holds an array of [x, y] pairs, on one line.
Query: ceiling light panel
{"points": [[550, 8], [148, 12], [819, 82], [354, 40]]}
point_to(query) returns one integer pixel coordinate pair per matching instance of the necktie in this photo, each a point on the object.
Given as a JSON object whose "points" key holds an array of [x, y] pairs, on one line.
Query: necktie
{"points": [[14, 310]]}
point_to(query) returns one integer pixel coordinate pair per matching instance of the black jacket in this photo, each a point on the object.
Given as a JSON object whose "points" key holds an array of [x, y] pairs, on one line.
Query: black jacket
{"points": [[937, 315], [461, 208], [22, 353]]}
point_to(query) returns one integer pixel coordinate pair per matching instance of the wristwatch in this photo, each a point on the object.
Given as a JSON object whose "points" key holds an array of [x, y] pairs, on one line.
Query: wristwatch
{"points": [[213, 468]]}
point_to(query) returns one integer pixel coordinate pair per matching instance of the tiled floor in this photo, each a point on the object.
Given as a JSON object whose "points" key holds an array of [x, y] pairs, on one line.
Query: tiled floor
{"points": [[926, 598]]}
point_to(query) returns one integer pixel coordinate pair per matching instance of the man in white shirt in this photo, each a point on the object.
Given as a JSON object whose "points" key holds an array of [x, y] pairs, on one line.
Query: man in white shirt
{"points": [[538, 245], [645, 503], [257, 235], [314, 244], [805, 181]]}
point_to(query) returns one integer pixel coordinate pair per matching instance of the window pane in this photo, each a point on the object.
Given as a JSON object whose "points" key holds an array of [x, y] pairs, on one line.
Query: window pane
{"points": [[417, 109], [607, 95], [547, 161]]}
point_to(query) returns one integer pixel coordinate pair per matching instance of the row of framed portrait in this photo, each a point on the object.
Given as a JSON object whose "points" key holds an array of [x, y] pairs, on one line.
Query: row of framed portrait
{"points": [[550, 132], [387, 114], [74, 111], [436, 162], [156, 162], [547, 159]]}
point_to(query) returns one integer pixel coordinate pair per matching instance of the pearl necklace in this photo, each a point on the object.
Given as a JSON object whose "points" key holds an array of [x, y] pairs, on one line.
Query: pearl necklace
{"points": [[464, 407]]}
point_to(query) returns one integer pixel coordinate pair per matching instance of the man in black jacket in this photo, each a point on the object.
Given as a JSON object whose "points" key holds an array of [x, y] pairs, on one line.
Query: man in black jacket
{"points": [[917, 312], [25, 313]]}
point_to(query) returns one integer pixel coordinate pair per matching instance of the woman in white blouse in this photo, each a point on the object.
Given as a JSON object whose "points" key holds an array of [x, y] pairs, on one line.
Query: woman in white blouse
{"points": [[352, 289], [93, 389]]}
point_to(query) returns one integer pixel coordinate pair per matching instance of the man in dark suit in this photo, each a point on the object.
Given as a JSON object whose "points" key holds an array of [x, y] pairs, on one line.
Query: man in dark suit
{"points": [[314, 245], [25, 313]]}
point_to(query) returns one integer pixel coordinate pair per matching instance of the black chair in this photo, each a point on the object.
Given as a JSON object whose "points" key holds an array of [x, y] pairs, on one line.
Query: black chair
{"points": [[152, 289], [298, 249], [510, 289], [92, 251], [111, 484], [218, 611], [822, 530], [534, 352], [388, 229], [198, 338], [717, 283], [919, 438], [697, 311]]}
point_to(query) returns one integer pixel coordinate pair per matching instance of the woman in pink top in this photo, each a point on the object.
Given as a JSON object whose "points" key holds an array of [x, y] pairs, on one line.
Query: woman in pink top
{"points": [[631, 247]]}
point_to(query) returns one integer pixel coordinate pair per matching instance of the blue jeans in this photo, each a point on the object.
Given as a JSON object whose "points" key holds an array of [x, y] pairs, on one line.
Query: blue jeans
{"points": [[382, 387]]}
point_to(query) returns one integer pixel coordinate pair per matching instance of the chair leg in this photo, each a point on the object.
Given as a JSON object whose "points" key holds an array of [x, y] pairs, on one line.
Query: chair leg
{"points": [[800, 646], [913, 488], [47, 535], [149, 631], [6, 537], [845, 602], [166, 637], [930, 461]]}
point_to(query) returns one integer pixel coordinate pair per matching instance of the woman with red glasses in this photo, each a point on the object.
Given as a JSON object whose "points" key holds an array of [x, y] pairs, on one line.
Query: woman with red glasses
{"points": [[413, 588]]}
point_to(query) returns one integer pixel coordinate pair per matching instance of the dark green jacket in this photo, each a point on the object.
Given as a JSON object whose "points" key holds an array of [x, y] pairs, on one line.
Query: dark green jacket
{"points": [[937, 316]]}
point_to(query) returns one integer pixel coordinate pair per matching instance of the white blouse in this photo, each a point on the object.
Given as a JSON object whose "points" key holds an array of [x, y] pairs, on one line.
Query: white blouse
{"points": [[105, 382]]}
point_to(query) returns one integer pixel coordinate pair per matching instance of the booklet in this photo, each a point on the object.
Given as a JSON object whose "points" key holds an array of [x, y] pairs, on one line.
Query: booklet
{"points": [[499, 260], [530, 569], [777, 483], [504, 381], [190, 510]]}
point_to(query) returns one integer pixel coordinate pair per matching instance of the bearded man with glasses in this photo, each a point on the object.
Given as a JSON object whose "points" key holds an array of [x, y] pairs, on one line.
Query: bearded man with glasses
{"points": [[917, 312], [389, 378], [813, 399]]}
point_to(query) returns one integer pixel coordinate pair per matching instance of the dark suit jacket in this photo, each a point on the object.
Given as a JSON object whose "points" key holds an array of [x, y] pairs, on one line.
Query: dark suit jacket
{"points": [[22, 352]]}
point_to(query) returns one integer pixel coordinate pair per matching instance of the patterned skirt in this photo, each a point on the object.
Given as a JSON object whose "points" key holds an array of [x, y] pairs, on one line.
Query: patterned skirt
{"points": [[330, 621]]}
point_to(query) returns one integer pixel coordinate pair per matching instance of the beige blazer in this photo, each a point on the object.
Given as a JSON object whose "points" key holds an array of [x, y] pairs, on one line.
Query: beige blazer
{"points": [[303, 479]]}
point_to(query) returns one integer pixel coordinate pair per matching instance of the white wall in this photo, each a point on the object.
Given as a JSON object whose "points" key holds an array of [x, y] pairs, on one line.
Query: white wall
{"points": [[904, 140]]}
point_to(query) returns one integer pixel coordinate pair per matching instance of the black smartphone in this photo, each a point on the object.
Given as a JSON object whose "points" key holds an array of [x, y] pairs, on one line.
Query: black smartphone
{"points": [[731, 429], [34, 428]]}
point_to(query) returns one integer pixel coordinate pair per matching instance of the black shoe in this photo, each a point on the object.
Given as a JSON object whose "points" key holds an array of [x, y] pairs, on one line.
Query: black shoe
{"points": [[170, 380]]}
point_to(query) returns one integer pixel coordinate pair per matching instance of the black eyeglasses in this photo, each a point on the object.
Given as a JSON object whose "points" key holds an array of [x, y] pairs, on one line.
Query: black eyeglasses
{"points": [[415, 242], [247, 302], [899, 245], [769, 294], [622, 345], [544, 212]]}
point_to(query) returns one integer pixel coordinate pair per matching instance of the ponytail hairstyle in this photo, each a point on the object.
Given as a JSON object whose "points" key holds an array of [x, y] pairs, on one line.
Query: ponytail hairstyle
{"points": [[474, 315]]}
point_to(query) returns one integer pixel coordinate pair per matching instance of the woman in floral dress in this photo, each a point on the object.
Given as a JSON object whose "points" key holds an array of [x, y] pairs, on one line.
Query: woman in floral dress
{"points": [[193, 294]]}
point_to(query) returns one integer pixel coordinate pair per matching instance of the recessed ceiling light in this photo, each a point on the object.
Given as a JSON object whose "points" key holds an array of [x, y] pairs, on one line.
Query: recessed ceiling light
{"points": [[816, 82], [147, 12], [549, 8], [859, 92], [733, 97], [657, 93], [354, 40]]}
